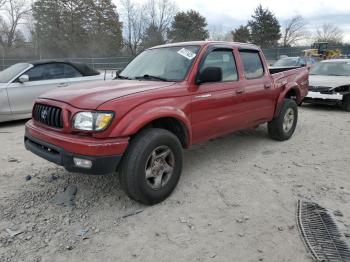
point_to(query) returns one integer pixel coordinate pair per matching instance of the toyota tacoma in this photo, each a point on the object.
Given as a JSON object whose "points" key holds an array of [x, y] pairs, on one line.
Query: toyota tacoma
{"points": [[167, 99]]}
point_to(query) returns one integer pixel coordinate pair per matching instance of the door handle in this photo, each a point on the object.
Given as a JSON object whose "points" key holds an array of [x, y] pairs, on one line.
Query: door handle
{"points": [[203, 96], [62, 84], [239, 91], [267, 85]]}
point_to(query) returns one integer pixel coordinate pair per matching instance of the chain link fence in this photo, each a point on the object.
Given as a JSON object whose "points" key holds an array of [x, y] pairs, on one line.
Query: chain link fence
{"points": [[119, 62], [273, 54], [106, 63]]}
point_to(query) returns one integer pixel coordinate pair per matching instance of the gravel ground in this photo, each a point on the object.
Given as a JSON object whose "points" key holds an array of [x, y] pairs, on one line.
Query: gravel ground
{"points": [[236, 200]]}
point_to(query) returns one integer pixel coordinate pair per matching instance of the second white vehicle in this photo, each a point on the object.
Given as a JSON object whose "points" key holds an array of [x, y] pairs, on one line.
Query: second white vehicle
{"points": [[22, 83], [329, 83]]}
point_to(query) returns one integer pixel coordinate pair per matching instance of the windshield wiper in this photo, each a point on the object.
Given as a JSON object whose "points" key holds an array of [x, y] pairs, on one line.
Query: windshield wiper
{"points": [[148, 77]]}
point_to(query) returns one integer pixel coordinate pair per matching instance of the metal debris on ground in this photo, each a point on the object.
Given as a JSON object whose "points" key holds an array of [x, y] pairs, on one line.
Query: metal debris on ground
{"points": [[13, 160], [13, 233], [132, 213], [52, 178], [321, 234]]}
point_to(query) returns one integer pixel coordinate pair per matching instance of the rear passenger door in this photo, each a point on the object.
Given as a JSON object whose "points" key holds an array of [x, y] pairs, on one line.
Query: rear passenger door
{"points": [[260, 94]]}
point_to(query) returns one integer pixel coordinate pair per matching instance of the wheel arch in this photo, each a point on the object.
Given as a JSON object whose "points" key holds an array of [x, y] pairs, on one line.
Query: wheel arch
{"points": [[291, 91], [171, 119]]}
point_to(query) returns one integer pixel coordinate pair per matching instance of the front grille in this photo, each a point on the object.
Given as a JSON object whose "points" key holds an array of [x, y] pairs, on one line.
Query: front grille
{"points": [[48, 115]]}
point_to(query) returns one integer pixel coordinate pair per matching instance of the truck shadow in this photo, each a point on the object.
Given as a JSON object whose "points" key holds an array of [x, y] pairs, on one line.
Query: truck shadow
{"points": [[14, 123], [106, 190]]}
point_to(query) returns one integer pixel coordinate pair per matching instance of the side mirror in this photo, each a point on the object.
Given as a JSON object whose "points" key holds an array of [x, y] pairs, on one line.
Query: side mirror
{"points": [[23, 78], [209, 74], [117, 72], [303, 64]]}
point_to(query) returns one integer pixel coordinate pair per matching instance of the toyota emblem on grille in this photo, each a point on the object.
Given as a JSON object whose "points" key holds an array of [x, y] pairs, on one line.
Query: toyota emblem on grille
{"points": [[44, 114]]}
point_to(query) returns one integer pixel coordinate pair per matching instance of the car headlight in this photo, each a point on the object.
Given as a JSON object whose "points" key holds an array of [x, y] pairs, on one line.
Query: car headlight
{"points": [[92, 121]]}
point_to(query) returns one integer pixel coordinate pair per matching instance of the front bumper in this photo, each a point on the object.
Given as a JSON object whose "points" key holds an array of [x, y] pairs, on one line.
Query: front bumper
{"points": [[60, 148], [100, 164], [319, 98]]}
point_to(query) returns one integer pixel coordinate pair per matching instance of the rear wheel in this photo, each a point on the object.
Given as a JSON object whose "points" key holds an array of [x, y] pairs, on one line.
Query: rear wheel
{"points": [[152, 166], [346, 103], [282, 127]]}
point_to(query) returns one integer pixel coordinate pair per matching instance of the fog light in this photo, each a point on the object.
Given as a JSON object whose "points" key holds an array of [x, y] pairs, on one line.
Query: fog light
{"points": [[84, 163]]}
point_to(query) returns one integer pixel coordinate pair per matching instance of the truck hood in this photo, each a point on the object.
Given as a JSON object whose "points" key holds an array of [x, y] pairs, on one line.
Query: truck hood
{"points": [[329, 81], [91, 95]]}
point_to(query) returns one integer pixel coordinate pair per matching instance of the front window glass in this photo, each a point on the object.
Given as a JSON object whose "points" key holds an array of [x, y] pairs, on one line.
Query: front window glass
{"points": [[224, 60], [331, 69], [46, 72], [167, 64]]}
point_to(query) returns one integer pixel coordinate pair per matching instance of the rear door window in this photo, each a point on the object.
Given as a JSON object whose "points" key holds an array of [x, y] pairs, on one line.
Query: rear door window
{"points": [[71, 72], [252, 64]]}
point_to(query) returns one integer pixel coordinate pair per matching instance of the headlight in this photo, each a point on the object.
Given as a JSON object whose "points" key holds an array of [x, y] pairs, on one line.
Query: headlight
{"points": [[92, 121]]}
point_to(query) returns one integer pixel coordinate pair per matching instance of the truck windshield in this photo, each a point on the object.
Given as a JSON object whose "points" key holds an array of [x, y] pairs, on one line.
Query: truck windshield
{"points": [[161, 64], [331, 69]]}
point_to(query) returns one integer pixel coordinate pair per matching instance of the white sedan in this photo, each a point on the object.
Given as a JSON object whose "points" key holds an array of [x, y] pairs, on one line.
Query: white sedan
{"points": [[329, 83], [22, 83]]}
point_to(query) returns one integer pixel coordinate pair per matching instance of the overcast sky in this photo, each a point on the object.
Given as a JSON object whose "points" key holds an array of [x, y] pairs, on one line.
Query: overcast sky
{"points": [[228, 14]]}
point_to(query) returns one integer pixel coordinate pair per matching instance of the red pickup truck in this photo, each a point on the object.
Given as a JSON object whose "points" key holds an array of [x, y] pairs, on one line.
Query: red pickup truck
{"points": [[168, 98]]}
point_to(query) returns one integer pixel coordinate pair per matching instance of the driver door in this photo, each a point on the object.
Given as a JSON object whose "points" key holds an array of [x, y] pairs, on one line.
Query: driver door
{"points": [[42, 78], [216, 106]]}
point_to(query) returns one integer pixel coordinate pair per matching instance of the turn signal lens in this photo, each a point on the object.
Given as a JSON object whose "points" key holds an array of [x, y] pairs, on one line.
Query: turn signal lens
{"points": [[102, 120]]}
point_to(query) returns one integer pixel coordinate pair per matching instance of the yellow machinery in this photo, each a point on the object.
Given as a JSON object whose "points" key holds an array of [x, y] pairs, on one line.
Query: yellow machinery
{"points": [[320, 50]]}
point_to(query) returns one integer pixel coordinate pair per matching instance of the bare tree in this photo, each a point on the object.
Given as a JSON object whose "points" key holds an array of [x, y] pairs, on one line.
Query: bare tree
{"points": [[218, 33], [15, 13], [294, 31], [2, 2], [329, 33], [155, 16], [134, 25], [159, 14]]}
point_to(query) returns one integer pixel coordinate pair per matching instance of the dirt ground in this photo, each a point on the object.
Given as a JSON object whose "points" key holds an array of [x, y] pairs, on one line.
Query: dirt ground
{"points": [[236, 200]]}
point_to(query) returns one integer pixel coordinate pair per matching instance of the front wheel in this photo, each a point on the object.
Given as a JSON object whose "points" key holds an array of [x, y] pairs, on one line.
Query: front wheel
{"points": [[282, 127], [152, 166]]}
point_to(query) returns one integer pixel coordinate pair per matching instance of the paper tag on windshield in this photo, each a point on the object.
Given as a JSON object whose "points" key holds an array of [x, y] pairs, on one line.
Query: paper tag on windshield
{"points": [[186, 53]]}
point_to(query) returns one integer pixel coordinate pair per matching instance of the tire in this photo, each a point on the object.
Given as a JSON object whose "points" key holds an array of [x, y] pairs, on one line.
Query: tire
{"points": [[282, 127], [145, 173], [346, 103]]}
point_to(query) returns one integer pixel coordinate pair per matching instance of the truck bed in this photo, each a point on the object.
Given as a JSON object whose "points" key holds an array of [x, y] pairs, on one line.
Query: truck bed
{"points": [[296, 76], [274, 70]]}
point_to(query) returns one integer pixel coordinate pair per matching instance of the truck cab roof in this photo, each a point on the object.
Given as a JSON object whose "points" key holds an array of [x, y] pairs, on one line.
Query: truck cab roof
{"points": [[207, 43]]}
